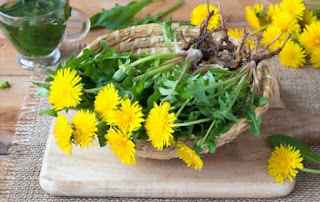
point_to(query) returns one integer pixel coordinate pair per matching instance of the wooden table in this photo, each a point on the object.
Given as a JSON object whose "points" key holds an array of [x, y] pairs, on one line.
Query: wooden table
{"points": [[11, 98]]}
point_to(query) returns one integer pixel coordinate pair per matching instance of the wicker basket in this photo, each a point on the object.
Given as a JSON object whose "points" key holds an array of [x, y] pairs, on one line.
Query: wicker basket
{"points": [[148, 38]]}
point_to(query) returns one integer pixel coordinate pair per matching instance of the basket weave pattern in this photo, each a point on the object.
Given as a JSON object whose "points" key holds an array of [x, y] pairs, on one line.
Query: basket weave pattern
{"points": [[148, 38]]}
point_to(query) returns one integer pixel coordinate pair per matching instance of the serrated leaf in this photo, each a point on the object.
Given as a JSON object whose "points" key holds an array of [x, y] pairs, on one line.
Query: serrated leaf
{"points": [[50, 112], [254, 123], [305, 151], [43, 85]]}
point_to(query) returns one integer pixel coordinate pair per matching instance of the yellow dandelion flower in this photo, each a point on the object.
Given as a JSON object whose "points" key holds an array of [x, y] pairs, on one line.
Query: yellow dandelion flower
{"points": [[62, 133], [310, 37], [286, 22], [283, 163], [107, 101], [200, 13], [189, 156], [65, 89], [128, 117], [159, 125], [85, 128], [308, 18], [315, 58], [252, 18], [270, 34], [121, 146], [294, 7], [273, 11], [292, 55], [237, 34]]}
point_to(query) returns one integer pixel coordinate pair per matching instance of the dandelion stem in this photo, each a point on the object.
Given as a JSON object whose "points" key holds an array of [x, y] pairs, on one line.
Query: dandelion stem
{"points": [[208, 131], [193, 122], [312, 4], [182, 107], [155, 56], [155, 71], [258, 30], [92, 90], [309, 170]]}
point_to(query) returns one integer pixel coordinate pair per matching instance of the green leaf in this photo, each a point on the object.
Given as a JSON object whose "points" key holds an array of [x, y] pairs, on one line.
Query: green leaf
{"points": [[306, 154], [43, 85], [42, 92], [118, 17], [4, 84], [102, 140], [212, 147], [153, 98], [50, 71], [50, 112], [263, 101], [217, 71], [254, 123]]}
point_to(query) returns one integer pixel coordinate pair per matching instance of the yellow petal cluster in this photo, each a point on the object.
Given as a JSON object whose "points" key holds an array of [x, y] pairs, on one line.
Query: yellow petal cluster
{"points": [[85, 128], [159, 125], [200, 13], [271, 33], [189, 156], [65, 89], [237, 34], [294, 7], [128, 117], [310, 37], [315, 58], [286, 22], [121, 145], [62, 133], [292, 55], [107, 101], [308, 18], [283, 163]]}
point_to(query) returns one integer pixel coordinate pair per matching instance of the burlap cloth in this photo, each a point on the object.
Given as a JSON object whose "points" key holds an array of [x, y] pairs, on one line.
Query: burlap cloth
{"points": [[21, 181]]}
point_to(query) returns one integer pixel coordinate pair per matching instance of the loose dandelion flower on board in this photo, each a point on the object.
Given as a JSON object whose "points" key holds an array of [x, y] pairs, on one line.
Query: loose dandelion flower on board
{"points": [[315, 58], [292, 55], [310, 37], [107, 101], [62, 133], [189, 156], [85, 127], [65, 89], [121, 145], [283, 163], [286, 22], [128, 117], [200, 13], [270, 34], [294, 7], [159, 125]]}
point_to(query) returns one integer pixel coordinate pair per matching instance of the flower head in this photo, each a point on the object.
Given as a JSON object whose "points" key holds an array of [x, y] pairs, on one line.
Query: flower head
{"points": [[85, 127], [200, 13], [269, 35], [310, 37], [121, 146], [315, 58], [65, 89], [107, 101], [283, 163], [294, 7], [292, 55], [256, 16], [273, 11], [62, 133], [189, 156], [308, 18], [159, 125], [286, 22], [128, 117]]}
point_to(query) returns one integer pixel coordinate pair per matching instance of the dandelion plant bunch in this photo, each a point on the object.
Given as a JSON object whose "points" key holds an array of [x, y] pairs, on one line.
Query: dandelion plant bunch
{"points": [[195, 93], [295, 17]]}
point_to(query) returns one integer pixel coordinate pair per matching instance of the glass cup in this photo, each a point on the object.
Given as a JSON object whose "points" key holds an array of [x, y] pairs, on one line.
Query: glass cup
{"points": [[36, 27]]}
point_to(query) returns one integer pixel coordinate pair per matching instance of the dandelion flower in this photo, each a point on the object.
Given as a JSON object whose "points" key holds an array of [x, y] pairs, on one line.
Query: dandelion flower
{"points": [[62, 133], [200, 13], [85, 128], [269, 35], [273, 11], [256, 16], [292, 55], [107, 101], [310, 37], [65, 89], [308, 18], [128, 117], [159, 125], [294, 7], [286, 22], [189, 156], [121, 146], [237, 34], [283, 163], [315, 58]]}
